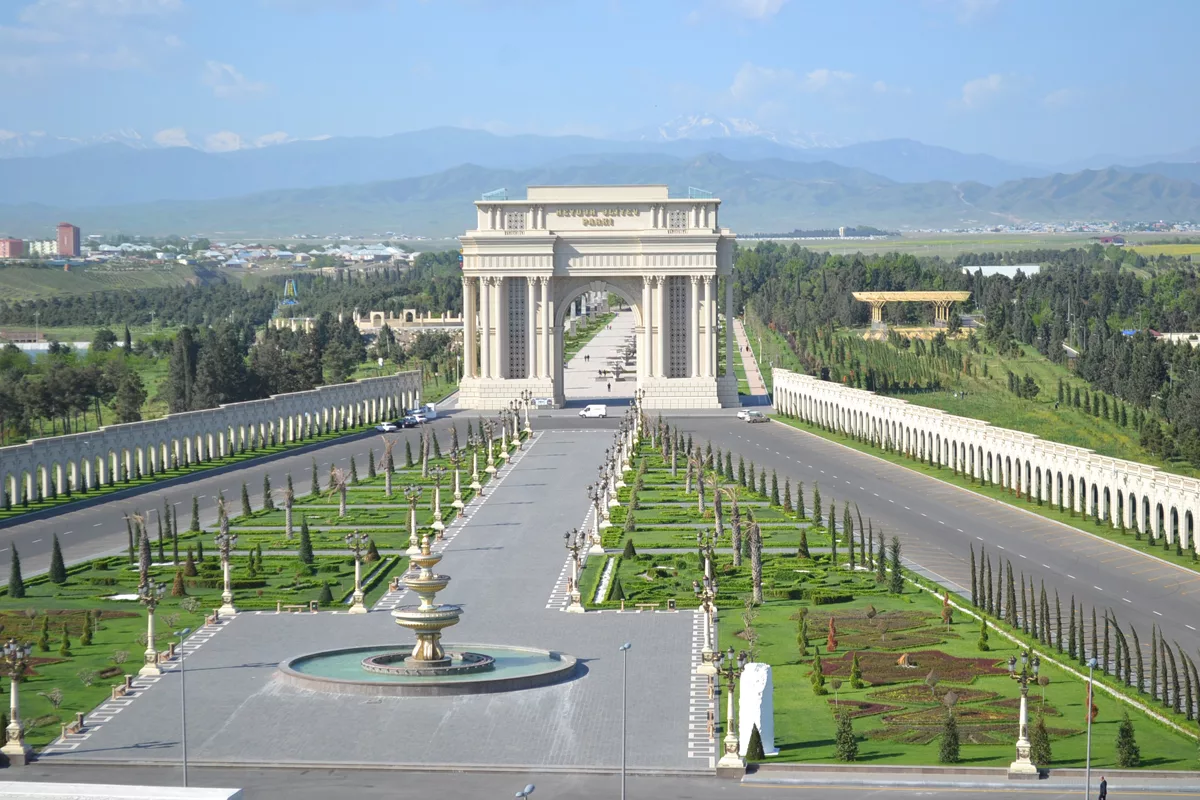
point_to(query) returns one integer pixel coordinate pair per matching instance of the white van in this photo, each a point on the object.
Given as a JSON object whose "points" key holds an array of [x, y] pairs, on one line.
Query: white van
{"points": [[594, 411], [430, 411]]}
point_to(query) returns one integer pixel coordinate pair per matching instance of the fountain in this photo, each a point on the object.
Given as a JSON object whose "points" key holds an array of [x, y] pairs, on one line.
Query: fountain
{"points": [[429, 668]]}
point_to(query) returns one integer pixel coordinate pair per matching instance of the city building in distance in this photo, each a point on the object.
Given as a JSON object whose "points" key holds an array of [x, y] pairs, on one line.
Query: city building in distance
{"points": [[68, 240], [12, 248]]}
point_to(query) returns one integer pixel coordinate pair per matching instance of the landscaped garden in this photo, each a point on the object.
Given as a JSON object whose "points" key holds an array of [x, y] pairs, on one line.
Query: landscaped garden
{"points": [[88, 626], [871, 663]]}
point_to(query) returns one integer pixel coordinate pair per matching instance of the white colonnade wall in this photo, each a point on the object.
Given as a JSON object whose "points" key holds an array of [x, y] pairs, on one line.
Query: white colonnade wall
{"points": [[1105, 489], [79, 462]]}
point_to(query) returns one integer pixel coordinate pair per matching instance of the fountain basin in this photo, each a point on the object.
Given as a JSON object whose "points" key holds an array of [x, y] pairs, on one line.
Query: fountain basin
{"points": [[343, 671]]}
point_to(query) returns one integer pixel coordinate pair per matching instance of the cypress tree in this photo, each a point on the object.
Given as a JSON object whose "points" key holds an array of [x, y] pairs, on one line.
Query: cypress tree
{"points": [[856, 681], [816, 504], [1071, 644], [616, 594], [1010, 595], [897, 579], [1154, 663], [974, 585], [848, 529], [199, 552], [1104, 650], [315, 485], [64, 647], [870, 544], [846, 744], [990, 601], [802, 550], [43, 642], [408, 462], [787, 495], [177, 588], [162, 556], [1039, 743], [325, 598], [800, 501], [774, 488], [1024, 607], [982, 644], [728, 467], [189, 566], [741, 471], [129, 533], [1176, 703], [353, 472], [195, 526], [1137, 654], [1058, 637], [246, 510], [16, 583], [817, 676], [762, 482], [833, 553], [268, 501], [371, 463], [1129, 755], [880, 562], [754, 748], [58, 568], [948, 753], [305, 551]]}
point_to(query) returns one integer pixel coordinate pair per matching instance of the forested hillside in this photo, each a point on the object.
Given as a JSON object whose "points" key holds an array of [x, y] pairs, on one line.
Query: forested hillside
{"points": [[1086, 298]]}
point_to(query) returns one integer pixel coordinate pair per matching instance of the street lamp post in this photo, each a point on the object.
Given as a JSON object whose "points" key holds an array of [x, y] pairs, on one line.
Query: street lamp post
{"points": [[731, 667], [1087, 790], [574, 542], [528, 790], [357, 542], [456, 458], [490, 433], [624, 692], [181, 635], [473, 444], [1023, 766], [706, 592], [412, 494], [225, 543], [149, 595], [595, 493], [16, 659], [527, 397], [504, 454], [439, 472]]}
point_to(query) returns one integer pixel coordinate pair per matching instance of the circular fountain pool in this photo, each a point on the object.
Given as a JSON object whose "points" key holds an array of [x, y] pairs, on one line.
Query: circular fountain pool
{"points": [[350, 671]]}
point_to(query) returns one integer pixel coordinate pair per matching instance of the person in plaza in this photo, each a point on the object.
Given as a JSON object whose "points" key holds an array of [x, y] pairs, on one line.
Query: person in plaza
{"points": [[1103, 789]]}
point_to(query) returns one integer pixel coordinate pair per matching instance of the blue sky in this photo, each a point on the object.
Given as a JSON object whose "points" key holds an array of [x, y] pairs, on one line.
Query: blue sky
{"points": [[1034, 81]]}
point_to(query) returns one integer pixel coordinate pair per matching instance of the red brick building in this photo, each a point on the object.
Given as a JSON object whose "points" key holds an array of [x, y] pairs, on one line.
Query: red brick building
{"points": [[12, 248], [68, 240]]}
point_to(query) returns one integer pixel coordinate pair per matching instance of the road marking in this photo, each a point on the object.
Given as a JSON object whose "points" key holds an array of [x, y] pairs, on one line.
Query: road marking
{"points": [[1098, 589], [1046, 566], [1000, 546], [875, 493], [960, 530], [940, 522], [1072, 577], [891, 501], [35, 541], [1127, 600], [1157, 613], [980, 538], [906, 508], [98, 524], [1021, 556], [1189, 627], [923, 514]]}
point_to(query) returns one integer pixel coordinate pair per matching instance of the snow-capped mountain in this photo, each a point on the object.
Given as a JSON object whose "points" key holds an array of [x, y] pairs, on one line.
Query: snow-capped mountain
{"points": [[14, 144], [710, 126]]}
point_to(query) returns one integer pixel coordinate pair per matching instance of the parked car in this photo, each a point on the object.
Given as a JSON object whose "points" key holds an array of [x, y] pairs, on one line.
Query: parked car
{"points": [[387, 427], [409, 422], [756, 416], [742, 414], [416, 414]]}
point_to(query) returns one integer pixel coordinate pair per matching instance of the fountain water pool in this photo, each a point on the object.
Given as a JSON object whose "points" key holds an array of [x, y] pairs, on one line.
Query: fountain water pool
{"points": [[512, 669]]}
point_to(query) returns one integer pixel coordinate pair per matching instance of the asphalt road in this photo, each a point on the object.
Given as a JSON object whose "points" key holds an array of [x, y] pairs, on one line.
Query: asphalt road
{"points": [[936, 522], [264, 784]]}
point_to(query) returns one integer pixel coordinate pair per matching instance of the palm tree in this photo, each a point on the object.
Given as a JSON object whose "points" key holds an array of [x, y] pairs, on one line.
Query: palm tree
{"points": [[425, 451], [338, 479], [288, 496], [756, 560], [736, 529], [717, 489], [385, 464]]}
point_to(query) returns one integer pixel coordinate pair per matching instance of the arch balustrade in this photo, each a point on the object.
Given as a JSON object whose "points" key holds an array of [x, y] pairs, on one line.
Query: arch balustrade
{"points": [[81, 462], [1125, 494]]}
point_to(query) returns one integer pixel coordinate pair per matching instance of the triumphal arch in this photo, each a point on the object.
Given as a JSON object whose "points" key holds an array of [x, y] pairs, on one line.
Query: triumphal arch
{"points": [[527, 260]]}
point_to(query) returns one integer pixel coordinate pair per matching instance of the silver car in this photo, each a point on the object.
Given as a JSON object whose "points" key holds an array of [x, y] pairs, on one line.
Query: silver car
{"points": [[756, 416]]}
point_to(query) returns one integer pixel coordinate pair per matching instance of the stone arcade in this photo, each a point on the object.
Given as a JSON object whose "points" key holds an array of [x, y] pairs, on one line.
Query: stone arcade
{"points": [[527, 260], [1100, 487], [82, 461]]}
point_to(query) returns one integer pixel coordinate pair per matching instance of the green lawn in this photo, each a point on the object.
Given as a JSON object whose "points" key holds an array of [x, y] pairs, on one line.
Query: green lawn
{"points": [[909, 656]]}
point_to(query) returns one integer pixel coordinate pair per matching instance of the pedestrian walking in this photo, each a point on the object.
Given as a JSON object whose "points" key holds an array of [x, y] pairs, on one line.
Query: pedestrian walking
{"points": [[610, 387], [1103, 789]]}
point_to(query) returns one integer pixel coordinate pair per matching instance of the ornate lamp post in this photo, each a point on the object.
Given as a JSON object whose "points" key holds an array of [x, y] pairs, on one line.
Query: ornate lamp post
{"points": [[731, 668], [504, 454], [1023, 765], [456, 458], [595, 494], [439, 472], [706, 593], [149, 594], [515, 416], [527, 398], [613, 478], [490, 434], [574, 541], [618, 457], [602, 520], [357, 542], [473, 444], [412, 494], [16, 659], [225, 543]]}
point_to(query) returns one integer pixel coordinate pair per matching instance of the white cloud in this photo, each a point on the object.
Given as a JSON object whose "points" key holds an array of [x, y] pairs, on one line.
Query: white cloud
{"points": [[87, 34], [1060, 98], [755, 9], [223, 142], [753, 80], [226, 81], [279, 137], [821, 79], [976, 93], [172, 137]]}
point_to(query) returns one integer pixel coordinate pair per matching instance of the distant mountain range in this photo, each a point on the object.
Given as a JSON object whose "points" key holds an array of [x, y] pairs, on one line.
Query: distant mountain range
{"points": [[758, 195]]}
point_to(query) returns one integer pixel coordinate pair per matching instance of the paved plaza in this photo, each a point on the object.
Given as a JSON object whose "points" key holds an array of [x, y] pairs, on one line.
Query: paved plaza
{"points": [[504, 562], [581, 379]]}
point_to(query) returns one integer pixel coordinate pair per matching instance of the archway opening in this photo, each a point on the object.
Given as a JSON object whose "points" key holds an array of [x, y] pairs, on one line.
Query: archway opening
{"points": [[598, 328]]}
